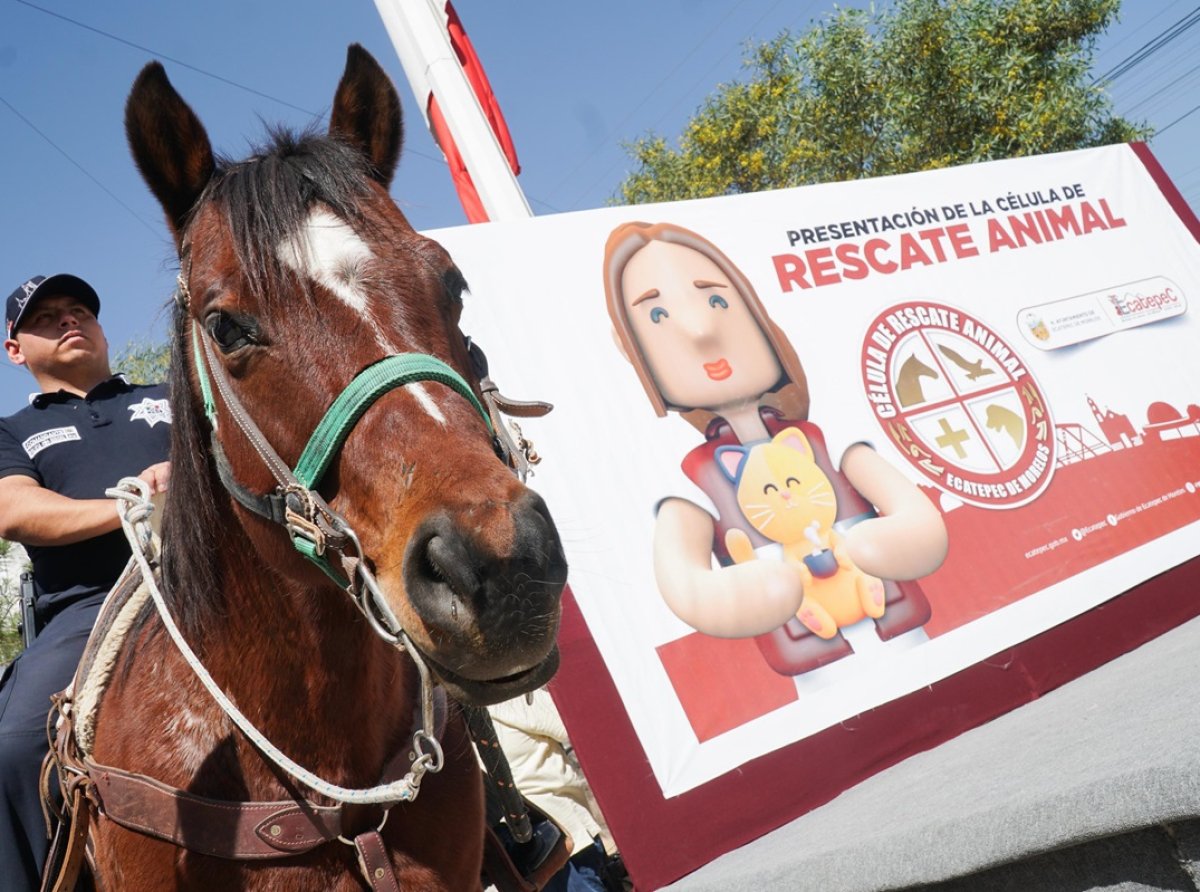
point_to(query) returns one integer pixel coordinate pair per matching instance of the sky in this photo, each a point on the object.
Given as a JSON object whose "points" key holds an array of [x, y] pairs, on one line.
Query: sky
{"points": [[575, 80]]}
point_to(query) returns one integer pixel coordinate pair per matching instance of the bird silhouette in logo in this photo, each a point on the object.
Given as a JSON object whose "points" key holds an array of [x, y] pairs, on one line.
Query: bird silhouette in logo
{"points": [[973, 369]]}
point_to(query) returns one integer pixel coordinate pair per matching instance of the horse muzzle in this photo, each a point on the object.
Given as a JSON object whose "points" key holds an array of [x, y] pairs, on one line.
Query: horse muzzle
{"points": [[485, 585]]}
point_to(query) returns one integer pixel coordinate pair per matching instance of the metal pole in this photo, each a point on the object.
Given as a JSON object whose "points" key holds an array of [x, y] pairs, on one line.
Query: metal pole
{"points": [[418, 31]]}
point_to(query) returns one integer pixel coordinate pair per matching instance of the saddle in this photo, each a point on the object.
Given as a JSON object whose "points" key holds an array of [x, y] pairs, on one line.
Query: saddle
{"points": [[242, 830]]}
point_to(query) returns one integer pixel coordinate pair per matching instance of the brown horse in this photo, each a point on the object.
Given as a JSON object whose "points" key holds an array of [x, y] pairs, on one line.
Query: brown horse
{"points": [[297, 272]]}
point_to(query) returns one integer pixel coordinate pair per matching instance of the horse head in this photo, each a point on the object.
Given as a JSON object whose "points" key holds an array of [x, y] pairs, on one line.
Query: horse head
{"points": [[298, 272]]}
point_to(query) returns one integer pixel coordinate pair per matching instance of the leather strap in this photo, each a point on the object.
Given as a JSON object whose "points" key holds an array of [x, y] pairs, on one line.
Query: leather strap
{"points": [[70, 844], [223, 829], [499, 867], [374, 862]]}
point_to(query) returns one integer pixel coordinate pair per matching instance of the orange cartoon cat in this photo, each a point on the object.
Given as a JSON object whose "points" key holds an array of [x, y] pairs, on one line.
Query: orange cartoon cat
{"points": [[788, 499]]}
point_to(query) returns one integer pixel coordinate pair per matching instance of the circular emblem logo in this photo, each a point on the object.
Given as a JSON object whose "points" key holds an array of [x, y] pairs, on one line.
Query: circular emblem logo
{"points": [[959, 403]]}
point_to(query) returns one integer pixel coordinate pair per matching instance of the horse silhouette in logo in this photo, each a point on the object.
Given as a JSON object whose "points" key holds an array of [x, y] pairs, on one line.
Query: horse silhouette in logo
{"points": [[908, 383]]}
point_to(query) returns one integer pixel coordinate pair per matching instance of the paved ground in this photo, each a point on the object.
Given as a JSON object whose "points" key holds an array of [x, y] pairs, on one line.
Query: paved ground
{"points": [[1094, 786]]}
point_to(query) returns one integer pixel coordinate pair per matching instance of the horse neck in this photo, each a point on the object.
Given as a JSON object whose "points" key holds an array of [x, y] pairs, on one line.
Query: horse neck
{"points": [[306, 661]]}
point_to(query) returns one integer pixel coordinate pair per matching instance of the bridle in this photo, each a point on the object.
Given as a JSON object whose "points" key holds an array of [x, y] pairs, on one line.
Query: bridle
{"points": [[317, 531], [321, 534]]}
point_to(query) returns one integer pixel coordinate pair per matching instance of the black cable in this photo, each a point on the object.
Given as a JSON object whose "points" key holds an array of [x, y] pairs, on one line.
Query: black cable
{"points": [[28, 123], [1150, 47], [156, 53]]}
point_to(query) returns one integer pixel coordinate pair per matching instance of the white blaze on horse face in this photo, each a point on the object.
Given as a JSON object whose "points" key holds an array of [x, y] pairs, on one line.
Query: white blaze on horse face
{"points": [[427, 403], [329, 252]]}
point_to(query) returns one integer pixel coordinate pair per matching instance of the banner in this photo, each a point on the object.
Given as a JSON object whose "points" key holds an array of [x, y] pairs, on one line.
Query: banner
{"points": [[818, 449]]}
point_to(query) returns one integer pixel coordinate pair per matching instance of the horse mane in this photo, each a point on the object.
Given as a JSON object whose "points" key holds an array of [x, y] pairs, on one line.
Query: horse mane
{"points": [[264, 200]]}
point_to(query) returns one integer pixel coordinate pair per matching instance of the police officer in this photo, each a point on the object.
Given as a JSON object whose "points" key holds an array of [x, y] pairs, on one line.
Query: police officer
{"points": [[80, 434]]}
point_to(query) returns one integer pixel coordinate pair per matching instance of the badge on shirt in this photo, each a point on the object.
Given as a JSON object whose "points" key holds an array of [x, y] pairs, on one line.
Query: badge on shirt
{"points": [[38, 442], [151, 411]]}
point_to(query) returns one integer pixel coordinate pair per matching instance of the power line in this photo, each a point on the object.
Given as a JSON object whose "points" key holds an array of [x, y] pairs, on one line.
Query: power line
{"points": [[28, 123], [1163, 130], [1151, 47], [316, 116], [1148, 77], [1160, 95], [174, 61], [1146, 24], [702, 79], [646, 98]]}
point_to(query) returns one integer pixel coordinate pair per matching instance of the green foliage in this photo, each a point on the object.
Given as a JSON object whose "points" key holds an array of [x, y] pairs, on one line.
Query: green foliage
{"points": [[144, 362], [921, 85], [10, 601]]}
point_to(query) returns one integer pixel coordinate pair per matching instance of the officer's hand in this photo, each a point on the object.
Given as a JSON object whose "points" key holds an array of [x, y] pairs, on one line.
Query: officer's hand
{"points": [[158, 476]]}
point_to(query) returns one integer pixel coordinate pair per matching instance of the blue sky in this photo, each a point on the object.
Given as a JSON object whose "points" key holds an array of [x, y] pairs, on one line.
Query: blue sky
{"points": [[575, 80]]}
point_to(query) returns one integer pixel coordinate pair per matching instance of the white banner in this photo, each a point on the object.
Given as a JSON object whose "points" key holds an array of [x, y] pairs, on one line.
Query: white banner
{"points": [[1013, 341]]}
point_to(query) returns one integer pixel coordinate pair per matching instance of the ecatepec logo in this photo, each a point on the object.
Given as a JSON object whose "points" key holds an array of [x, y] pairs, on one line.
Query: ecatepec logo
{"points": [[151, 411], [1133, 303], [1099, 314], [959, 403]]}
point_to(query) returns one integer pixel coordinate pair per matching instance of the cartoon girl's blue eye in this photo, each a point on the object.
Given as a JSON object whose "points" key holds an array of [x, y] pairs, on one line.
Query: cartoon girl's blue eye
{"points": [[716, 300], [658, 314]]}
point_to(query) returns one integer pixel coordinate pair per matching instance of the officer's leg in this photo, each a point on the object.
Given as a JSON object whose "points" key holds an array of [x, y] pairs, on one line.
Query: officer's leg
{"points": [[44, 669]]}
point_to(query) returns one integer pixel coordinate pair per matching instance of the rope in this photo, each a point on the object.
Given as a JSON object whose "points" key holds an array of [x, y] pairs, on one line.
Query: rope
{"points": [[134, 508]]}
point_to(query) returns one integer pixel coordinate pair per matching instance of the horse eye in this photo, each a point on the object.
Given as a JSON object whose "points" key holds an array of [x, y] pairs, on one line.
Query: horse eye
{"points": [[454, 284], [232, 331]]}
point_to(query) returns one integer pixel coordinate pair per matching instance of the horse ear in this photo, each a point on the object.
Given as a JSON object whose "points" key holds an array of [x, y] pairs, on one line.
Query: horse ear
{"points": [[366, 113], [169, 145]]}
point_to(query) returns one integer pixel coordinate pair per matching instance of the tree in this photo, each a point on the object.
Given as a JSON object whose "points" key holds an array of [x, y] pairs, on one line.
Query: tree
{"points": [[144, 362], [12, 562], [921, 85]]}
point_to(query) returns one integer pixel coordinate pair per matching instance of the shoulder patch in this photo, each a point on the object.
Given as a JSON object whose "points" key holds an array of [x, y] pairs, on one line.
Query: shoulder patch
{"points": [[35, 444], [151, 411]]}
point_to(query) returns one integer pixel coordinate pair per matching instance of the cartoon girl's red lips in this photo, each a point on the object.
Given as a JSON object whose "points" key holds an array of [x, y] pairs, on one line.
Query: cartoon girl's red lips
{"points": [[719, 370]]}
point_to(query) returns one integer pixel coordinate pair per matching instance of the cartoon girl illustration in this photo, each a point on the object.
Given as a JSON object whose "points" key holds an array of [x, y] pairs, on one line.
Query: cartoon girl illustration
{"points": [[703, 346]]}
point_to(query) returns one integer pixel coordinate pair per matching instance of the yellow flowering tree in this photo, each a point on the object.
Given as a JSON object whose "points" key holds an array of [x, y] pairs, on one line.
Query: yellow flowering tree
{"points": [[143, 361], [920, 85]]}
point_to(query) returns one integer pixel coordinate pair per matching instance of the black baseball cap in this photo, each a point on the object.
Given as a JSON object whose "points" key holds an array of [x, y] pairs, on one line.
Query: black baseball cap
{"points": [[38, 287]]}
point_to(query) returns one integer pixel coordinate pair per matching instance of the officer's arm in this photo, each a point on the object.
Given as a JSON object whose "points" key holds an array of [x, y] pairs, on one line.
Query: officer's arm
{"points": [[33, 515]]}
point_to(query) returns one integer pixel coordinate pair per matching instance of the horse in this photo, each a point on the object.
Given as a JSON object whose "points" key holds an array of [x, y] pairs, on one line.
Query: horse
{"points": [[317, 606]]}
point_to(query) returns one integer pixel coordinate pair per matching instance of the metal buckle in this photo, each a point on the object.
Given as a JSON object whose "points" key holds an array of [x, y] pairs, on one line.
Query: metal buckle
{"points": [[303, 525], [303, 528]]}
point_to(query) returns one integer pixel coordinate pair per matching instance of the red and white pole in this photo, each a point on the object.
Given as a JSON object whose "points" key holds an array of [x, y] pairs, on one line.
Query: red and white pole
{"points": [[418, 29]]}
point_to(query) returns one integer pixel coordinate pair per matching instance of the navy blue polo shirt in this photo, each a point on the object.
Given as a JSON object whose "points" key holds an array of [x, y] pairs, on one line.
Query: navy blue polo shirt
{"points": [[78, 447]]}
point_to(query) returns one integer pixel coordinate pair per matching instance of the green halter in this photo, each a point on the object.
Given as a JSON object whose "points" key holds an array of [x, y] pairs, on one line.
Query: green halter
{"points": [[339, 419]]}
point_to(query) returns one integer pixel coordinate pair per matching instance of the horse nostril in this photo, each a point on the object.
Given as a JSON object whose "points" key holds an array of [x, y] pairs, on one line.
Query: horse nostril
{"points": [[447, 560]]}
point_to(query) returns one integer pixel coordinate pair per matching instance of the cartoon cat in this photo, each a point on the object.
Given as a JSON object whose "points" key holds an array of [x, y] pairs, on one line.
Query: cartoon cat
{"points": [[785, 496]]}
